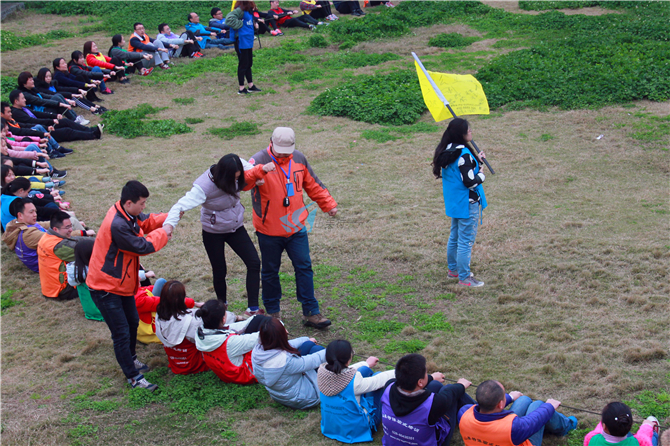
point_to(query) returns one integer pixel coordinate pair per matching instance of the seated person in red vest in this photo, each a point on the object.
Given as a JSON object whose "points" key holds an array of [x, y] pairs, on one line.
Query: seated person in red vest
{"points": [[176, 326], [140, 42], [55, 250], [226, 349], [23, 234], [417, 408], [524, 424]]}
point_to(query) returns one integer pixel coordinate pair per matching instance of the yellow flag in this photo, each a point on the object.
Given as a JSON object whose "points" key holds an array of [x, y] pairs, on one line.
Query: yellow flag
{"points": [[464, 93], [233, 5]]}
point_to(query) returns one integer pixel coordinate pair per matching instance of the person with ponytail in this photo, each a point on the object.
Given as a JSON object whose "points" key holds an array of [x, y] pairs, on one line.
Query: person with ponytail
{"points": [[350, 394], [226, 348], [615, 425], [176, 327], [464, 197], [286, 368]]}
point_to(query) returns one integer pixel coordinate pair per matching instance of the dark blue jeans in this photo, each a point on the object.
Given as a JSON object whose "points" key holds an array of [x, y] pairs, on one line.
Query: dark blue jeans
{"points": [[376, 395], [307, 348], [120, 314], [297, 248], [452, 413], [557, 424]]}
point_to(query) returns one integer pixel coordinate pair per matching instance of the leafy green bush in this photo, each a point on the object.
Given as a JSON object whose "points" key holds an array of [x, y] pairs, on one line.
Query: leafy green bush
{"points": [[648, 403], [6, 300], [7, 84], [451, 40], [237, 129], [383, 99], [317, 41], [131, 123]]}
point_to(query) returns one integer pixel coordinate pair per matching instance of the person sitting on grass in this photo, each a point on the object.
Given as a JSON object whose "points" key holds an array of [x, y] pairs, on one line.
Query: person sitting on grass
{"points": [[42, 102], [524, 424], [147, 299], [206, 36], [219, 22], [286, 17], [176, 327], [317, 9], [140, 42], [179, 46], [94, 58], [140, 62], [615, 425], [416, 407], [44, 83], [42, 183], [78, 68], [350, 394], [63, 76], [286, 368], [23, 234], [55, 249], [349, 7], [24, 168], [226, 349]]}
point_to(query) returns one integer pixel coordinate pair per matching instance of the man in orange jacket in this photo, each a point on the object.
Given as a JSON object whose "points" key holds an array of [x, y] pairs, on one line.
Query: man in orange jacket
{"points": [[279, 219], [114, 269]]}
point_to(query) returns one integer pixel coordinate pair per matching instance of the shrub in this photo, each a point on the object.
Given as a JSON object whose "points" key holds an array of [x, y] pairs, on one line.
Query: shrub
{"points": [[131, 123], [317, 41], [383, 99], [451, 40]]}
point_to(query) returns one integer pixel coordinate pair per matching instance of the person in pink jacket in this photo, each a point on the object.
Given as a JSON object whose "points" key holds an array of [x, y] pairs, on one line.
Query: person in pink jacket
{"points": [[614, 429]]}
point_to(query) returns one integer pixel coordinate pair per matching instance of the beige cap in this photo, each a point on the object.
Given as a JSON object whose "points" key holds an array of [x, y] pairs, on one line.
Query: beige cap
{"points": [[283, 140]]}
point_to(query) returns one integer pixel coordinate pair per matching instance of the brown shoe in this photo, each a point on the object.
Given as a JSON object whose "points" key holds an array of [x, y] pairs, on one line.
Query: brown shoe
{"points": [[316, 320], [276, 315]]}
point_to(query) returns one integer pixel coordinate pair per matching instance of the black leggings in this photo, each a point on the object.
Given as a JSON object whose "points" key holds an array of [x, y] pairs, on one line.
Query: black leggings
{"points": [[322, 12], [242, 245], [245, 59], [295, 23]]}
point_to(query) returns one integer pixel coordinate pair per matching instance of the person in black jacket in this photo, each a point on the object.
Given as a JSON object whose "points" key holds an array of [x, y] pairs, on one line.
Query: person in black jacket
{"points": [[44, 83], [412, 386], [44, 102]]}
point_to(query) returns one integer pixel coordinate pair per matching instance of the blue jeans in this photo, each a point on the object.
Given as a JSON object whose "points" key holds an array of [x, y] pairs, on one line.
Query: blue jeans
{"points": [[307, 348], [376, 395], [461, 240], [51, 142], [158, 287], [35, 148], [103, 86], [557, 424], [297, 248], [219, 43], [120, 314]]}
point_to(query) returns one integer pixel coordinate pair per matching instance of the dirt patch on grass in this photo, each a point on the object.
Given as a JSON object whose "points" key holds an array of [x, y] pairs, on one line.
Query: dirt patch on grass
{"points": [[513, 6]]}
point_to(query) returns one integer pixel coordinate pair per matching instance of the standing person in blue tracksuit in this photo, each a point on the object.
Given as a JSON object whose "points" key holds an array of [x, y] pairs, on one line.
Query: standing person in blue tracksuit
{"points": [[241, 20], [464, 197]]}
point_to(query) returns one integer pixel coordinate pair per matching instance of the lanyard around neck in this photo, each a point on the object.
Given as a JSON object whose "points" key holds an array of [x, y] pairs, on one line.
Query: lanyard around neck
{"points": [[287, 175]]}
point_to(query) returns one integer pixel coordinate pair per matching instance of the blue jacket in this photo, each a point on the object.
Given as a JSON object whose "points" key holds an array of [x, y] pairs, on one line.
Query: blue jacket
{"points": [[522, 427], [199, 28], [246, 33], [5, 216], [456, 195]]}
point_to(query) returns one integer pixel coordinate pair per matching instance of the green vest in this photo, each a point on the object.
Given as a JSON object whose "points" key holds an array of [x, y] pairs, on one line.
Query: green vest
{"points": [[599, 440]]}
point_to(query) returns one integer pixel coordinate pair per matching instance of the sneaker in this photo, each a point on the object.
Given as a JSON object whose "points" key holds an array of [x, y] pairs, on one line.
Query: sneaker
{"points": [[101, 128], [140, 366], [276, 315], [56, 154], [254, 88], [242, 91], [471, 282], [59, 183], [312, 27], [654, 422], [316, 320], [142, 383], [452, 274], [81, 120], [107, 91], [64, 150], [389, 5], [164, 66], [248, 313], [274, 32], [146, 71], [320, 23], [125, 81], [58, 174], [280, 33], [572, 425]]}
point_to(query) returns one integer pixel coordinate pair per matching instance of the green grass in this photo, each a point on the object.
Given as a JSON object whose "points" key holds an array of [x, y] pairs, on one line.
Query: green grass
{"points": [[243, 128], [184, 101], [6, 300], [132, 123], [193, 120], [451, 40]]}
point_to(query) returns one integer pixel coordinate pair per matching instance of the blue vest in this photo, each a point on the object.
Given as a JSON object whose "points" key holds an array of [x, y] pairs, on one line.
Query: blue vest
{"points": [[343, 419], [246, 33], [456, 195], [5, 216]]}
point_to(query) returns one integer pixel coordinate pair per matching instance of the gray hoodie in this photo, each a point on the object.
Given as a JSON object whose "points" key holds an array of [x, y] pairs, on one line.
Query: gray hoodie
{"points": [[290, 379]]}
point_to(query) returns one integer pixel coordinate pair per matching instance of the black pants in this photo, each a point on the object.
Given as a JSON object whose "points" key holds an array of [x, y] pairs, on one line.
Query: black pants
{"points": [[348, 7], [241, 243], [67, 130], [245, 59], [295, 23], [322, 12], [263, 28], [190, 48]]}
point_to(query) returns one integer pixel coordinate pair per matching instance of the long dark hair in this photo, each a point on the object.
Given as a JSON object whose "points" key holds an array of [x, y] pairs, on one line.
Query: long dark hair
{"points": [[5, 171], [82, 256], [211, 313], [87, 47], [56, 63], [116, 41], [454, 135], [273, 336], [618, 419], [19, 183], [40, 80], [338, 354], [223, 174], [76, 55], [172, 303]]}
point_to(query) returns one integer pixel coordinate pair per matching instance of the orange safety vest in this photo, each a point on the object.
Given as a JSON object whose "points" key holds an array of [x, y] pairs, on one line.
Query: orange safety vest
{"points": [[185, 359], [53, 276], [145, 41], [227, 372], [491, 433]]}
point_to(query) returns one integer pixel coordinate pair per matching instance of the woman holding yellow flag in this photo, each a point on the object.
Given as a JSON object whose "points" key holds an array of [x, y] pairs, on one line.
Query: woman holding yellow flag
{"points": [[464, 197]]}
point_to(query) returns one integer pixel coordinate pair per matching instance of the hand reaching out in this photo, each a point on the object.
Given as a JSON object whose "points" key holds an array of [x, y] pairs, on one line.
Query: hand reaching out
{"points": [[372, 361], [438, 376]]}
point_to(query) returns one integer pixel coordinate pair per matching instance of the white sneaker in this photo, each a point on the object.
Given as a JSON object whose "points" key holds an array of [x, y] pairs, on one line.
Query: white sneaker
{"points": [[142, 383], [80, 120]]}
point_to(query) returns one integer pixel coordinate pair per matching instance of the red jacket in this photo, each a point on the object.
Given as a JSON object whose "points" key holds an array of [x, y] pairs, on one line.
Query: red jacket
{"points": [[147, 303], [115, 263], [99, 60], [271, 217]]}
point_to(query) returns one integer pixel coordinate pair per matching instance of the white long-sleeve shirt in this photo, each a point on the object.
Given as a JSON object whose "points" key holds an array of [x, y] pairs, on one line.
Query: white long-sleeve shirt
{"points": [[370, 384]]}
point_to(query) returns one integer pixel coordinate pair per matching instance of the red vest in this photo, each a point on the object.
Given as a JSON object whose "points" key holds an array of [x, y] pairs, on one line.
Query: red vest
{"points": [[492, 433], [226, 371], [185, 359]]}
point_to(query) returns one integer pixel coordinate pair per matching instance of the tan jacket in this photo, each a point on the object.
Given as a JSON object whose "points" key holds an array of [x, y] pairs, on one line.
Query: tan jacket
{"points": [[31, 236]]}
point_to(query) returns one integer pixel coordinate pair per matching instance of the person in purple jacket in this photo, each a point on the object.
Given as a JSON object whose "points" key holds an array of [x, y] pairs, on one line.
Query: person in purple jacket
{"points": [[524, 424], [417, 408]]}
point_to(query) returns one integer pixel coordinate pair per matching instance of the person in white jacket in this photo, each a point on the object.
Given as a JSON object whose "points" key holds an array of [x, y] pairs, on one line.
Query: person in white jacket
{"points": [[286, 368], [226, 349]]}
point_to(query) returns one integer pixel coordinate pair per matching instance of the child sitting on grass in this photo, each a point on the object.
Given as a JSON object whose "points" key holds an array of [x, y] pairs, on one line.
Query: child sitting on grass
{"points": [[614, 429]]}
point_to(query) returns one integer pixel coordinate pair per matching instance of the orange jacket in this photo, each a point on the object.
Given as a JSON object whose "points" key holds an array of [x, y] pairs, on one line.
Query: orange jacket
{"points": [[271, 217], [53, 276], [115, 264]]}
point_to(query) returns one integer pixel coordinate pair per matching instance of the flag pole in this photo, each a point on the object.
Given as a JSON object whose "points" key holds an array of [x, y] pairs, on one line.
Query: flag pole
{"points": [[446, 103]]}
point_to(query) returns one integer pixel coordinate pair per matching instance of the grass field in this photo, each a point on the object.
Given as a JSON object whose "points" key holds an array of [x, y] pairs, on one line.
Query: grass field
{"points": [[574, 248]]}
